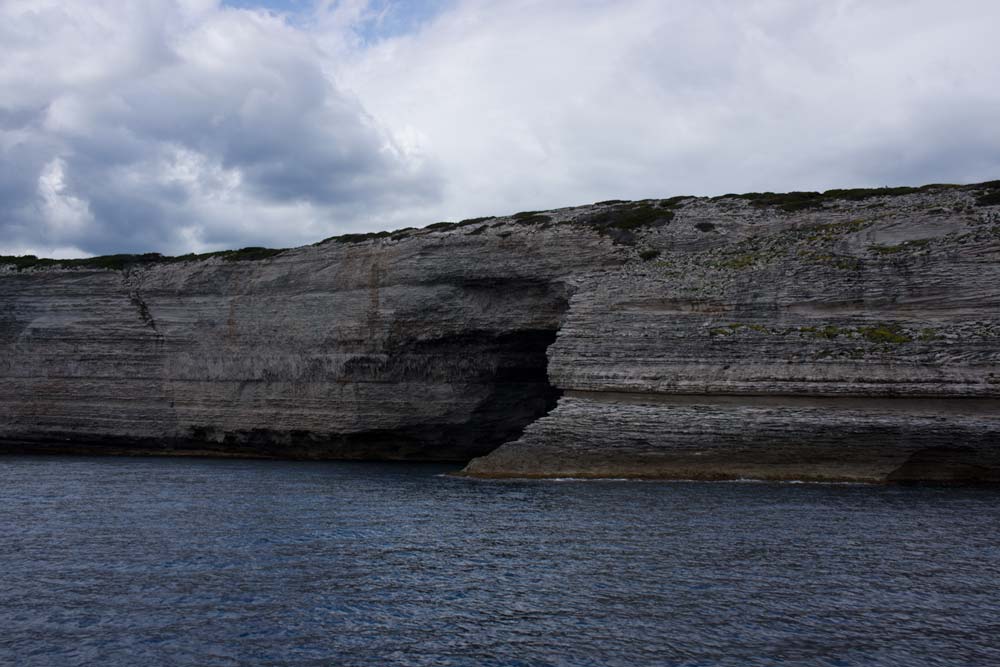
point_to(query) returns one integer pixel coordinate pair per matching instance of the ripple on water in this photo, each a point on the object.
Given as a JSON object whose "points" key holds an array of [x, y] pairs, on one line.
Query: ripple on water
{"points": [[199, 562]]}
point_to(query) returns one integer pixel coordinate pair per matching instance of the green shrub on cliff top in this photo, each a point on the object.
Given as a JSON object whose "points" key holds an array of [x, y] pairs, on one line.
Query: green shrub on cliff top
{"points": [[112, 262], [121, 262], [989, 199], [787, 201], [632, 217], [798, 201], [353, 238], [619, 220], [249, 254]]}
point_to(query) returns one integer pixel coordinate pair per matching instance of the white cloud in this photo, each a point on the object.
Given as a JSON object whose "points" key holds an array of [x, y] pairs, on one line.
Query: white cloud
{"points": [[532, 104], [179, 126], [189, 126], [50, 251], [62, 212]]}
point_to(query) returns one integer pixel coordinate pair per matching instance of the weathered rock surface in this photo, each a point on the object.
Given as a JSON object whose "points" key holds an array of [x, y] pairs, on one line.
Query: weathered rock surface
{"points": [[753, 437], [846, 337], [432, 347]]}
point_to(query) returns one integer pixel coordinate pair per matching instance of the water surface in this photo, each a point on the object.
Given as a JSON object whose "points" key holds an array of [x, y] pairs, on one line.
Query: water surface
{"points": [[130, 561]]}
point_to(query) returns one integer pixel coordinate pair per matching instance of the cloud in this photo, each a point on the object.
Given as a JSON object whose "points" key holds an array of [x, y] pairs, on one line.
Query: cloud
{"points": [[531, 104], [178, 126], [183, 126]]}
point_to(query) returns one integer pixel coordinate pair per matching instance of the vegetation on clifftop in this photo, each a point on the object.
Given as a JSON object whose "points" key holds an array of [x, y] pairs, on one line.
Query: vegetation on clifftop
{"points": [[618, 219], [992, 196], [121, 262], [798, 201]]}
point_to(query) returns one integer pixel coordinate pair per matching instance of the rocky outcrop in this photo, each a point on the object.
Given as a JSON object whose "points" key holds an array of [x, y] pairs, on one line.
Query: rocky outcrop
{"points": [[754, 437], [851, 340], [853, 335], [428, 347]]}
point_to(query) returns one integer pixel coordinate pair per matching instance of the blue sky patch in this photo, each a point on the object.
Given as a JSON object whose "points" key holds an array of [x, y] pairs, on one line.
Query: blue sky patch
{"points": [[389, 18]]}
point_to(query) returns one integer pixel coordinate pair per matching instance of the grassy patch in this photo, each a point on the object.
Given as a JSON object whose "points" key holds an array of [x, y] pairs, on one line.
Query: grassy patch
{"points": [[882, 333], [906, 246], [738, 262], [885, 333], [846, 263], [829, 332]]}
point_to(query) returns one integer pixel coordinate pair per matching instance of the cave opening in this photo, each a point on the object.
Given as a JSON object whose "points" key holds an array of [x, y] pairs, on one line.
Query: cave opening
{"points": [[520, 394], [446, 385]]}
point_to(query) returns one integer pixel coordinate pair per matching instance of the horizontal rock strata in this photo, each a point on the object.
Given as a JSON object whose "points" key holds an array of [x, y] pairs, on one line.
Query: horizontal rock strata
{"points": [[777, 438], [880, 313], [853, 335], [430, 348]]}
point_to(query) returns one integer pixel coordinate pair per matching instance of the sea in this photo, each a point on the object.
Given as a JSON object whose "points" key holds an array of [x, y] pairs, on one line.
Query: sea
{"points": [[182, 561]]}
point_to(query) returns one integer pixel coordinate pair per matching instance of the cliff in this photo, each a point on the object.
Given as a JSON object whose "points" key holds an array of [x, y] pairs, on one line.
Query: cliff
{"points": [[849, 335]]}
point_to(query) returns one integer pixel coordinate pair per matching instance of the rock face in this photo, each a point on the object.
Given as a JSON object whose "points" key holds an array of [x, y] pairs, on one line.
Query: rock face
{"points": [[848, 336], [430, 347]]}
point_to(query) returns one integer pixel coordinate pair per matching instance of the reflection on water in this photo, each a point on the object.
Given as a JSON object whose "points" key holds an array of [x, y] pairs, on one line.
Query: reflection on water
{"points": [[120, 561]]}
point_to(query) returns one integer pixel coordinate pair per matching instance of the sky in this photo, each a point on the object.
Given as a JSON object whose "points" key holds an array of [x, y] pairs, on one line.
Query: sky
{"points": [[180, 126]]}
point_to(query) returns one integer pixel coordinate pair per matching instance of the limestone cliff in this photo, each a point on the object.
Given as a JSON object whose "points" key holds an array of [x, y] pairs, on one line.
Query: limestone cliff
{"points": [[849, 335]]}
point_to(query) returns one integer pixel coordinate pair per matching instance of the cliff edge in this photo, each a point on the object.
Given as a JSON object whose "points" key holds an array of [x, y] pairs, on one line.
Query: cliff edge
{"points": [[846, 335]]}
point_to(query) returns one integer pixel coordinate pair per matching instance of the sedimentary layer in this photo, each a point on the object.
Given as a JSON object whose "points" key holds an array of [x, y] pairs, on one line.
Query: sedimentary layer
{"points": [[853, 335], [430, 347]]}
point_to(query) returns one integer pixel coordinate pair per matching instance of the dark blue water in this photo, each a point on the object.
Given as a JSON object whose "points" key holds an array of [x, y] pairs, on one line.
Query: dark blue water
{"points": [[131, 562]]}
